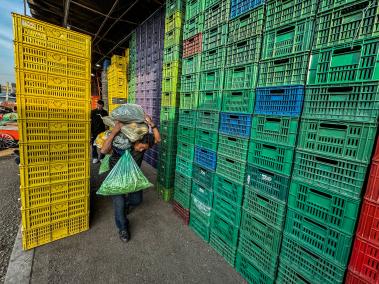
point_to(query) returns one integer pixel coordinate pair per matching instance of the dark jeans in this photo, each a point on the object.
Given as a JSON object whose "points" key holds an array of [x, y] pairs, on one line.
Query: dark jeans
{"points": [[120, 202]]}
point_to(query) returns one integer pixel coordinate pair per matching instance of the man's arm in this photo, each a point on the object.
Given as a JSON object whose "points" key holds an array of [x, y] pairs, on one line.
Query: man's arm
{"points": [[107, 147], [157, 135]]}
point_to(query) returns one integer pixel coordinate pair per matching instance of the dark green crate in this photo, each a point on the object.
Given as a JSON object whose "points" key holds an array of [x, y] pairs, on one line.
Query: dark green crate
{"points": [[231, 168], [183, 182], [340, 140], [168, 128], [233, 147], [221, 247], [213, 59], [241, 77], [210, 100], [173, 6], [164, 193], [187, 117], [216, 14], [239, 101], [251, 272], [185, 149], [271, 156], [267, 182], [324, 241], [324, 207], [199, 227], [261, 232], [345, 63], [244, 52], [262, 258], [229, 189], [172, 53], [212, 80], [168, 144], [191, 64], [227, 209], [208, 119], [289, 274], [338, 176], [266, 208], [206, 139], [201, 210], [169, 114], [247, 25], [184, 166], [203, 176], [189, 100], [279, 129], [186, 133], [182, 197], [215, 37], [173, 37], [190, 83], [194, 8], [205, 195], [224, 229], [193, 26]]}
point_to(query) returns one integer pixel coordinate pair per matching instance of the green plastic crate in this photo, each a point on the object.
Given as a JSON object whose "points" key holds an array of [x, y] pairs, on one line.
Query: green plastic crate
{"points": [[168, 144], [193, 26], [324, 241], [206, 138], [173, 37], [324, 207], [171, 69], [164, 193], [222, 248], [231, 168], [261, 232], [189, 100], [186, 133], [278, 129], [184, 166], [199, 208], [289, 70], [170, 99], [185, 149], [244, 52], [227, 209], [174, 21], [233, 147], [168, 128], [330, 4], [173, 6], [215, 37], [289, 39], [187, 117], [346, 63], [224, 229], [289, 274], [271, 156], [169, 114], [338, 176], [229, 189], [216, 14], [241, 77], [238, 101], [347, 23], [172, 53], [213, 59], [210, 100], [205, 195], [265, 208], [190, 83], [208, 119], [203, 176], [247, 25], [182, 194], [340, 140], [170, 85], [309, 264], [250, 271], [191, 64], [199, 227], [212, 80], [194, 8]]}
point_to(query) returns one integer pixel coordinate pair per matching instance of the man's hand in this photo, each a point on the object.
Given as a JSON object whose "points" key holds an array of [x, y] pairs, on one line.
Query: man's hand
{"points": [[117, 127], [149, 121]]}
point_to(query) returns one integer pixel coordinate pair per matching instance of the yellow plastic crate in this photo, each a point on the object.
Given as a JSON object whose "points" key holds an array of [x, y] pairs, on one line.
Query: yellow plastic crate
{"points": [[44, 195], [174, 21], [48, 214], [127, 56], [119, 62], [35, 237], [53, 131], [44, 174], [46, 36], [41, 108], [57, 152], [52, 86]]}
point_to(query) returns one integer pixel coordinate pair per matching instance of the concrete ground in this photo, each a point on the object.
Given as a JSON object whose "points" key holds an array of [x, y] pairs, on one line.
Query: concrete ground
{"points": [[161, 249]]}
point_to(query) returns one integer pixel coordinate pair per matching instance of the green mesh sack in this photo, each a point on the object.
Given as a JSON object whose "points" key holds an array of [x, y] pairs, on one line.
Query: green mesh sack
{"points": [[125, 177], [104, 166]]}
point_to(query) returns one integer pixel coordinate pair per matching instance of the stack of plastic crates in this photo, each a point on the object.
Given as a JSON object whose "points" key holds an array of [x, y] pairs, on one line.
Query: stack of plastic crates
{"points": [[131, 72], [335, 143], [53, 67], [117, 82]]}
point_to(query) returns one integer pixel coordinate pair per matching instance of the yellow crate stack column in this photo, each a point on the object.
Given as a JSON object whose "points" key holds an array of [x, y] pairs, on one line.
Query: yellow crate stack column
{"points": [[117, 81], [53, 71]]}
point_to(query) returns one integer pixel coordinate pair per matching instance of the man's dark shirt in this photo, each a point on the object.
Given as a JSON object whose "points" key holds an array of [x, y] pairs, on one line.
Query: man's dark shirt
{"points": [[97, 124]]}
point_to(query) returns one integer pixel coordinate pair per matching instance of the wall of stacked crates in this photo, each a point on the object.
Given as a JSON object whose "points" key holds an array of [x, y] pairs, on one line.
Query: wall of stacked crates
{"points": [[149, 47], [53, 67], [104, 83], [117, 81], [132, 69], [272, 185]]}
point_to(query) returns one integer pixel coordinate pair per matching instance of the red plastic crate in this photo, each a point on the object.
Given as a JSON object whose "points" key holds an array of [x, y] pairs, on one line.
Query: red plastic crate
{"points": [[352, 278], [183, 213], [372, 191], [192, 45], [368, 226], [376, 154], [364, 260]]}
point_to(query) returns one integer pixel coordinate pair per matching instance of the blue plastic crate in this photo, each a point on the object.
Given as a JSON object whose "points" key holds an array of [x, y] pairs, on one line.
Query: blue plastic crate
{"points": [[283, 100], [239, 7], [235, 124], [206, 158]]}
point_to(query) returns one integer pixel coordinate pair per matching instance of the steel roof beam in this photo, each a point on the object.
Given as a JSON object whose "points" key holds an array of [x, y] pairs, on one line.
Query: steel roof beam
{"points": [[66, 11]]}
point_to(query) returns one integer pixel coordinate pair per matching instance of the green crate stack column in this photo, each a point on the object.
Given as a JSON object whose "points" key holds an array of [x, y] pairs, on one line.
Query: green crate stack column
{"points": [[335, 143], [132, 76], [170, 97]]}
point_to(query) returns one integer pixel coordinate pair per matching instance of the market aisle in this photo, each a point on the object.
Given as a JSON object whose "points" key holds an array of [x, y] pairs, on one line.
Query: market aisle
{"points": [[162, 249]]}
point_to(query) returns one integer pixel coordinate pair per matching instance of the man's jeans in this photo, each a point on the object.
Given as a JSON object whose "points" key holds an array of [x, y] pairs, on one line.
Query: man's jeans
{"points": [[120, 202]]}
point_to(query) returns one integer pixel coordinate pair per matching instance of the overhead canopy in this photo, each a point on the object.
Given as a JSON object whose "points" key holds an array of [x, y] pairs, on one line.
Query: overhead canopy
{"points": [[109, 22]]}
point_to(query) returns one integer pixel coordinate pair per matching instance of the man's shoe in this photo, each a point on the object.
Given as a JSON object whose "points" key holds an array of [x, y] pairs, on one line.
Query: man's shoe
{"points": [[124, 236], [95, 161]]}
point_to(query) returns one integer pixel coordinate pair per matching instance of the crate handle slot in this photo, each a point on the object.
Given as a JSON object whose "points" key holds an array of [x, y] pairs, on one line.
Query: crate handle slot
{"points": [[234, 116], [187, 95], [281, 61], [211, 73], [340, 89], [314, 223], [265, 172], [320, 193], [214, 30], [243, 43], [302, 278], [355, 8], [232, 139], [225, 180], [241, 69], [309, 252], [259, 221], [212, 52], [229, 160], [272, 119], [269, 147], [215, 7], [207, 113], [205, 132], [285, 30], [277, 91], [209, 94], [347, 50], [263, 198], [204, 151], [333, 126], [244, 18], [325, 160], [236, 93]]}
